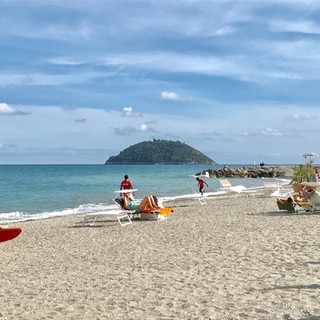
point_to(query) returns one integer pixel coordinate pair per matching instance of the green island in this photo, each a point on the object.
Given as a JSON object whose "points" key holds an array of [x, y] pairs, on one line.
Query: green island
{"points": [[160, 152]]}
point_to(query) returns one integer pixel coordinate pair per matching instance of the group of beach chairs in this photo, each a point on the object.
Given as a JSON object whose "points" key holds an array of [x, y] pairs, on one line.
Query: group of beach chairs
{"points": [[125, 216], [298, 197], [295, 197]]}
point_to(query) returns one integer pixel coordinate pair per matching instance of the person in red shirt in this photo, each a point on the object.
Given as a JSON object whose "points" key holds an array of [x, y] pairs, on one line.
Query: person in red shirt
{"points": [[126, 183], [201, 184]]}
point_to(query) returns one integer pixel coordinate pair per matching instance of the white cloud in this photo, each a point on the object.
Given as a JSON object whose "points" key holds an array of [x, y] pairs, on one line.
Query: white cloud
{"points": [[169, 95], [68, 61], [299, 117], [7, 110], [145, 127], [233, 65], [271, 132], [128, 112], [39, 79], [129, 130], [224, 31]]}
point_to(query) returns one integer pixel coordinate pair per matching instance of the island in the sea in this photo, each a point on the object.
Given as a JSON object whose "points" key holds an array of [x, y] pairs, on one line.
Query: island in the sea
{"points": [[160, 152]]}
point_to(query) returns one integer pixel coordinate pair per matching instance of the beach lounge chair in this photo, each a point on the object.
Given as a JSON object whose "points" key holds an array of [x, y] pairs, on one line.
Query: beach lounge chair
{"points": [[314, 202], [275, 189], [310, 197], [131, 213], [294, 201], [157, 214], [96, 217], [281, 193], [227, 186]]}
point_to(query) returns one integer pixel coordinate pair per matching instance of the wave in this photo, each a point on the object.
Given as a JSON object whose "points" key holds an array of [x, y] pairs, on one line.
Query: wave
{"points": [[17, 216]]}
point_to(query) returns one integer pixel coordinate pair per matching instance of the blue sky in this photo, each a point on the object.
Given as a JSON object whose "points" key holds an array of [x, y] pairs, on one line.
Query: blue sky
{"points": [[82, 80]]}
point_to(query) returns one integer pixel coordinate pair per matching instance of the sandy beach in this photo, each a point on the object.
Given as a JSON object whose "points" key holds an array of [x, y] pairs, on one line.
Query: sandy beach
{"points": [[233, 258]]}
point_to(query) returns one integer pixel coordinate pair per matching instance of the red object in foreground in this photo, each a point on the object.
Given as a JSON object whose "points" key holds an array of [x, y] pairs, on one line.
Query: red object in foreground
{"points": [[9, 233]]}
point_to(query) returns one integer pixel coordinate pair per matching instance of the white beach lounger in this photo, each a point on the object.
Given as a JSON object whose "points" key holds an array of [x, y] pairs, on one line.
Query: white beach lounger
{"points": [[227, 186], [274, 188], [281, 193], [95, 217]]}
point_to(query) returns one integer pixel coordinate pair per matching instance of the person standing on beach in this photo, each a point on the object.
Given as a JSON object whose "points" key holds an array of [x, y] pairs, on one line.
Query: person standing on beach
{"points": [[201, 184], [126, 183]]}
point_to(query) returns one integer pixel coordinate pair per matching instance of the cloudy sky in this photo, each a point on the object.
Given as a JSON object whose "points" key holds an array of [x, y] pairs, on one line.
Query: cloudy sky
{"points": [[82, 80]]}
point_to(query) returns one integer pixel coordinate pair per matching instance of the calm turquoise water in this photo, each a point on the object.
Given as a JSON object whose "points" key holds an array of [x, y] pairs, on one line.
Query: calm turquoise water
{"points": [[38, 191]]}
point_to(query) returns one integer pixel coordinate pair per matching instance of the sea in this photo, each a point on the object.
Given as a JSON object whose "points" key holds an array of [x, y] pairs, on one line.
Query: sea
{"points": [[30, 192]]}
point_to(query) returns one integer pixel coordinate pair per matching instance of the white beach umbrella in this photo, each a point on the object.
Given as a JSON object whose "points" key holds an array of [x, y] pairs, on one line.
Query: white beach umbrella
{"points": [[309, 155]]}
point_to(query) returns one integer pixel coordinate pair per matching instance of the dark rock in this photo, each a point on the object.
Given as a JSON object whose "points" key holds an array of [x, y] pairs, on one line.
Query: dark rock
{"points": [[252, 172]]}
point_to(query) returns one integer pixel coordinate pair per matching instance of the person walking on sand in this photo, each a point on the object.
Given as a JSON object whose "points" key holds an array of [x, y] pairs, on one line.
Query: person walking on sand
{"points": [[201, 184]]}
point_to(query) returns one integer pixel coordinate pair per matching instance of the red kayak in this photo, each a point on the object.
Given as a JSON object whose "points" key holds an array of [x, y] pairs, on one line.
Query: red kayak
{"points": [[8, 233]]}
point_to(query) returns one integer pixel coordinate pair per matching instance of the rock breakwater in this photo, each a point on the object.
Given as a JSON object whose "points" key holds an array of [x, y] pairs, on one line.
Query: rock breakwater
{"points": [[250, 172]]}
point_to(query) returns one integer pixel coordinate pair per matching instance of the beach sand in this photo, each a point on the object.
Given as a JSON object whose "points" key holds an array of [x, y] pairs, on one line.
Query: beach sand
{"points": [[233, 258]]}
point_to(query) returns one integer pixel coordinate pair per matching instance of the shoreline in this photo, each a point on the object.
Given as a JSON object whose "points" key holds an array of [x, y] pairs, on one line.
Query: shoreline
{"points": [[232, 258]]}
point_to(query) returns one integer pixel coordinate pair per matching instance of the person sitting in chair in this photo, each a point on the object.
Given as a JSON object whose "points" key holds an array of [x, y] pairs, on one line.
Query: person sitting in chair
{"points": [[299, 197], [148, 203]]}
